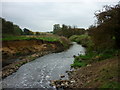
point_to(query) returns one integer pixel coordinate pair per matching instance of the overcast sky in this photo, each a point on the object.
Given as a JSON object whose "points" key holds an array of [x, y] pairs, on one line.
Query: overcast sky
{"points": [[41, 16]]}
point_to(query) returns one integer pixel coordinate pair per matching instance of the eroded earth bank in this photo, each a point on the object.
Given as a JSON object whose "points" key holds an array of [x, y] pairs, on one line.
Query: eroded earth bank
{"points": [[18, 52], [40, 72]]}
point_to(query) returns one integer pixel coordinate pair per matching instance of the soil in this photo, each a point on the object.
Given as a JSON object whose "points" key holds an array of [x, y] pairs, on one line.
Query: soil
{"points": [[19, 52], [12, 50], [94, 75]]}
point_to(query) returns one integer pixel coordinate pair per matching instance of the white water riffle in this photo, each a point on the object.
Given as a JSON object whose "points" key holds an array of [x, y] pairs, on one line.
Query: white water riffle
{"points": [[38, 73]]}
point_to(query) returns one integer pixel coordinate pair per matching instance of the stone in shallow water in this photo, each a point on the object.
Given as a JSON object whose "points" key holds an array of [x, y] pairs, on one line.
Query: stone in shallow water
{"points": [[47, 76], [62, 76]]}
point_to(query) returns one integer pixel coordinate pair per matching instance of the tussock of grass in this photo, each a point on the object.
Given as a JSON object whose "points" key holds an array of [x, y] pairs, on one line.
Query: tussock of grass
{"points": [[78, 64]]}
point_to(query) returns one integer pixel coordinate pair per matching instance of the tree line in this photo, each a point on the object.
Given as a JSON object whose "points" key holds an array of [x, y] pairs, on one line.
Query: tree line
{"points": [[67, 30], [8, 28]]}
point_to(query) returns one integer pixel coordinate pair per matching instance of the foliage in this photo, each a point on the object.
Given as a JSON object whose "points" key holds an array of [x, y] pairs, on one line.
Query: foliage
{"points": [[8, 28], [29, 38], [87, 56], [106, 33], [27, 32], [67, 31], [78, 63], [64, 41], [110, 85], [84, 40], [92, 56], [38, 33], [17, 30]]}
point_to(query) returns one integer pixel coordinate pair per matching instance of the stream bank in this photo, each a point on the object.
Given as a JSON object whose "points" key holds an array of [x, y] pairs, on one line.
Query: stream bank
{"points": [[39, 73], [103, 74], [18, 52]]}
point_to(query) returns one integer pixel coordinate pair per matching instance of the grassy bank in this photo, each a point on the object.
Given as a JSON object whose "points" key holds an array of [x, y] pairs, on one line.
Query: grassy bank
{"points": [[102, 75], [91, 54], [10, 38], [104, 60], [16, 46], [92, 57], [84, 40], [28, 48], [50, 38]]}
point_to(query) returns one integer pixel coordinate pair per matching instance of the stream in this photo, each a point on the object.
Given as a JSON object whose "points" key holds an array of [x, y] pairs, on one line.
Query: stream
{"points": [[38, 73]]}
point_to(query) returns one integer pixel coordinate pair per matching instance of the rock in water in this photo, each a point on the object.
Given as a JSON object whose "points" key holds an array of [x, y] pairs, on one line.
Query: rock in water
{"points": [[62, 76]]}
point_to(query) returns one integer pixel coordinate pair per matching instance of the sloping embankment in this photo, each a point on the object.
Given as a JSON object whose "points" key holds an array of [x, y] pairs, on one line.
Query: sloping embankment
{"points": [[102, 74], [14, 49]]}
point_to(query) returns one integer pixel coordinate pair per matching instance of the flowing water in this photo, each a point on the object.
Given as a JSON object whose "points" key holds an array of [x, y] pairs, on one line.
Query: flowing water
{"points": [[38, 73]]}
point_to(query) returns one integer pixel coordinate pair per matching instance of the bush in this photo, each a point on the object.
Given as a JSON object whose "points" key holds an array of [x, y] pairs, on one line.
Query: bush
{"points": [[78, 63], [84, 40], [90, 57]]}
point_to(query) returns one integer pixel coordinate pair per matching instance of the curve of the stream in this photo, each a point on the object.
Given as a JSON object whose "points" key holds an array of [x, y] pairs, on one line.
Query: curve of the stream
{"points": [[38, 73]]}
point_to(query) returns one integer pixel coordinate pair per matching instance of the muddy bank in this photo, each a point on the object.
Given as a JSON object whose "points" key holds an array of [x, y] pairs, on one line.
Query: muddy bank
{"points": [[17, 53], [12, 50]]}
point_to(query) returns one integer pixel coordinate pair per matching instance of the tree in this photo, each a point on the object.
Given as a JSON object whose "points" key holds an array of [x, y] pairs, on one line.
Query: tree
{"points": [[37, 33], [67, 30], [108, 26], [27, 32], [17, 30], [56, 28], [7, 27]]}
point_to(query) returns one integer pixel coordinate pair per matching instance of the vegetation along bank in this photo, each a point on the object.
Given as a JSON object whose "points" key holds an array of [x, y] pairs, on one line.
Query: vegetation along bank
{"points": [[99, 67], [19, 50]]}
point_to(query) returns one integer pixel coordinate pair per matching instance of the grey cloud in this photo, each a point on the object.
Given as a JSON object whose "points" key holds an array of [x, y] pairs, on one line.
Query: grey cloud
{"points": [[41, 16]]}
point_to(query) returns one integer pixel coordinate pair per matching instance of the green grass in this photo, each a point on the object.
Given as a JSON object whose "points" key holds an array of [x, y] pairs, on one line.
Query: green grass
{"points": [[91, 57], [30, 38], [84, 40], [78, 63], [48, 38], [111, 85], [82, 60], [87, 56], [106, 54], [51, 38]]}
